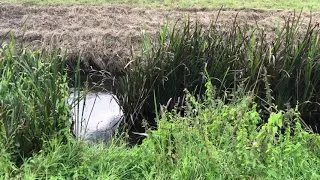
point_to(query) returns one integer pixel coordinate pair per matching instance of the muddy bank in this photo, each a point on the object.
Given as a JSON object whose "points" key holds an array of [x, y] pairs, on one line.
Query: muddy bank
{"points": [[106, 34]]}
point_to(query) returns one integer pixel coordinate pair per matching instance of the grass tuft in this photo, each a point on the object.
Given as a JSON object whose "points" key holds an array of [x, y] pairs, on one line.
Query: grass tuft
{"points": [[33, 95], [281, 72]]}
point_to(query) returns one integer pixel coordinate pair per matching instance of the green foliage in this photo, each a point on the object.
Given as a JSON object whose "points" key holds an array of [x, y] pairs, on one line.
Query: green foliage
{"points": [[214, 140], [33, 94], [221, 134], [282, 71]]}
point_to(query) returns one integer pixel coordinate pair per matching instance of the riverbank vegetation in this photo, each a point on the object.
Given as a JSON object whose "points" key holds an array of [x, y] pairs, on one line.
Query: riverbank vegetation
{"points": [[217, 102], [213, 140], [282, 71]]}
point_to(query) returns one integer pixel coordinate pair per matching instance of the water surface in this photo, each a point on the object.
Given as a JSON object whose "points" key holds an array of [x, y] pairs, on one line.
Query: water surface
{"points": [[96, 117]]}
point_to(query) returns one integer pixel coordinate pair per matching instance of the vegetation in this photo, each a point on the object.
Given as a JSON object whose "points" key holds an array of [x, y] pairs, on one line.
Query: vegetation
{"points": [[235, 108], [213, 141], [281, 72], [33, 93], [215, 4]]}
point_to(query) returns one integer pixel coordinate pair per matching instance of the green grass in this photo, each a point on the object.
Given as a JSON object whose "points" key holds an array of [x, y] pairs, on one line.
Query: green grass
{"points": [[211, 4], [282, 71], [213, 141], [33, 94], [242, 120]]}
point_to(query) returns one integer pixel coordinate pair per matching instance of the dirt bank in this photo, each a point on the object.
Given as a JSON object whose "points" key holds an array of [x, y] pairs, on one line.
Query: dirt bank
{"points": [[106, 34]]}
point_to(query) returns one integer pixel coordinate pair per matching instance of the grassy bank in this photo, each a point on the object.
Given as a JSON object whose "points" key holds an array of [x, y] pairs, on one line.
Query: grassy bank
{"points": [[214, 4], [213, 141], [282, 71], [33, 93], [216, 103]]}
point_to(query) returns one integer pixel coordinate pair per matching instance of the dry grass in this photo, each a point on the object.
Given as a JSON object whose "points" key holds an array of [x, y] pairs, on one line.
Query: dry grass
{"points": [[106, 34]]}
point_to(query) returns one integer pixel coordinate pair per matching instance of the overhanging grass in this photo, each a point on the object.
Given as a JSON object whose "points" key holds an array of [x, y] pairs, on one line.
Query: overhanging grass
{"points": [[33, 94], [213, 4], [281, 71]]}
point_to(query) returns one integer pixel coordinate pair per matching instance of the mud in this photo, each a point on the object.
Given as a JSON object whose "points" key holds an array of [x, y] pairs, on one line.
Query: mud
{"points": [[107, 34]]}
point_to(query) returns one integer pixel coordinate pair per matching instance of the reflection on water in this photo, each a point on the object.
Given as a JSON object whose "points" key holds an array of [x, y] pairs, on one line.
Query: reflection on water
{"points": [[100, 118]]}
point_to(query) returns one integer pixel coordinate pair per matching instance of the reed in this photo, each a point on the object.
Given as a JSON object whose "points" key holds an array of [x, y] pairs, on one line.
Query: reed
{"points": [[33, 96], [282, 71]]}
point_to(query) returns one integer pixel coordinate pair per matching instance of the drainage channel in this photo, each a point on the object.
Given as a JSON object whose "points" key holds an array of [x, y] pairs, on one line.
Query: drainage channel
{"points": [[95, 117]]}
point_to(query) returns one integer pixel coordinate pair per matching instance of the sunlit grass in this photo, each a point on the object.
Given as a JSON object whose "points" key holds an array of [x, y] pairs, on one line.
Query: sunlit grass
{"points": [[211, 4], [214, 140]]}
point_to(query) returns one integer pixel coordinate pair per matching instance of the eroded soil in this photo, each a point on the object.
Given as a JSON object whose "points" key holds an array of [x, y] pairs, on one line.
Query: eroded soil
{"points": [[107, 34]]}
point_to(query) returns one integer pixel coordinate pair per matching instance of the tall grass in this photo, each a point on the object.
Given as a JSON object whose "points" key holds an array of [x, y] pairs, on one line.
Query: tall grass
{"points": [[232, 75], [282, 71], [35, 104], [214, 140], [33, 95]]}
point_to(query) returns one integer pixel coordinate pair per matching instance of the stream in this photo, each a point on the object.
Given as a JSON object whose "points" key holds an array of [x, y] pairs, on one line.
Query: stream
{"points": [[96, 117]]}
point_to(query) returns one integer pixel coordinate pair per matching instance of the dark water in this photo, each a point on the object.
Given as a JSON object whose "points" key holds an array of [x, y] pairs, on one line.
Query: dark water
{"points": [[97, 119]]}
